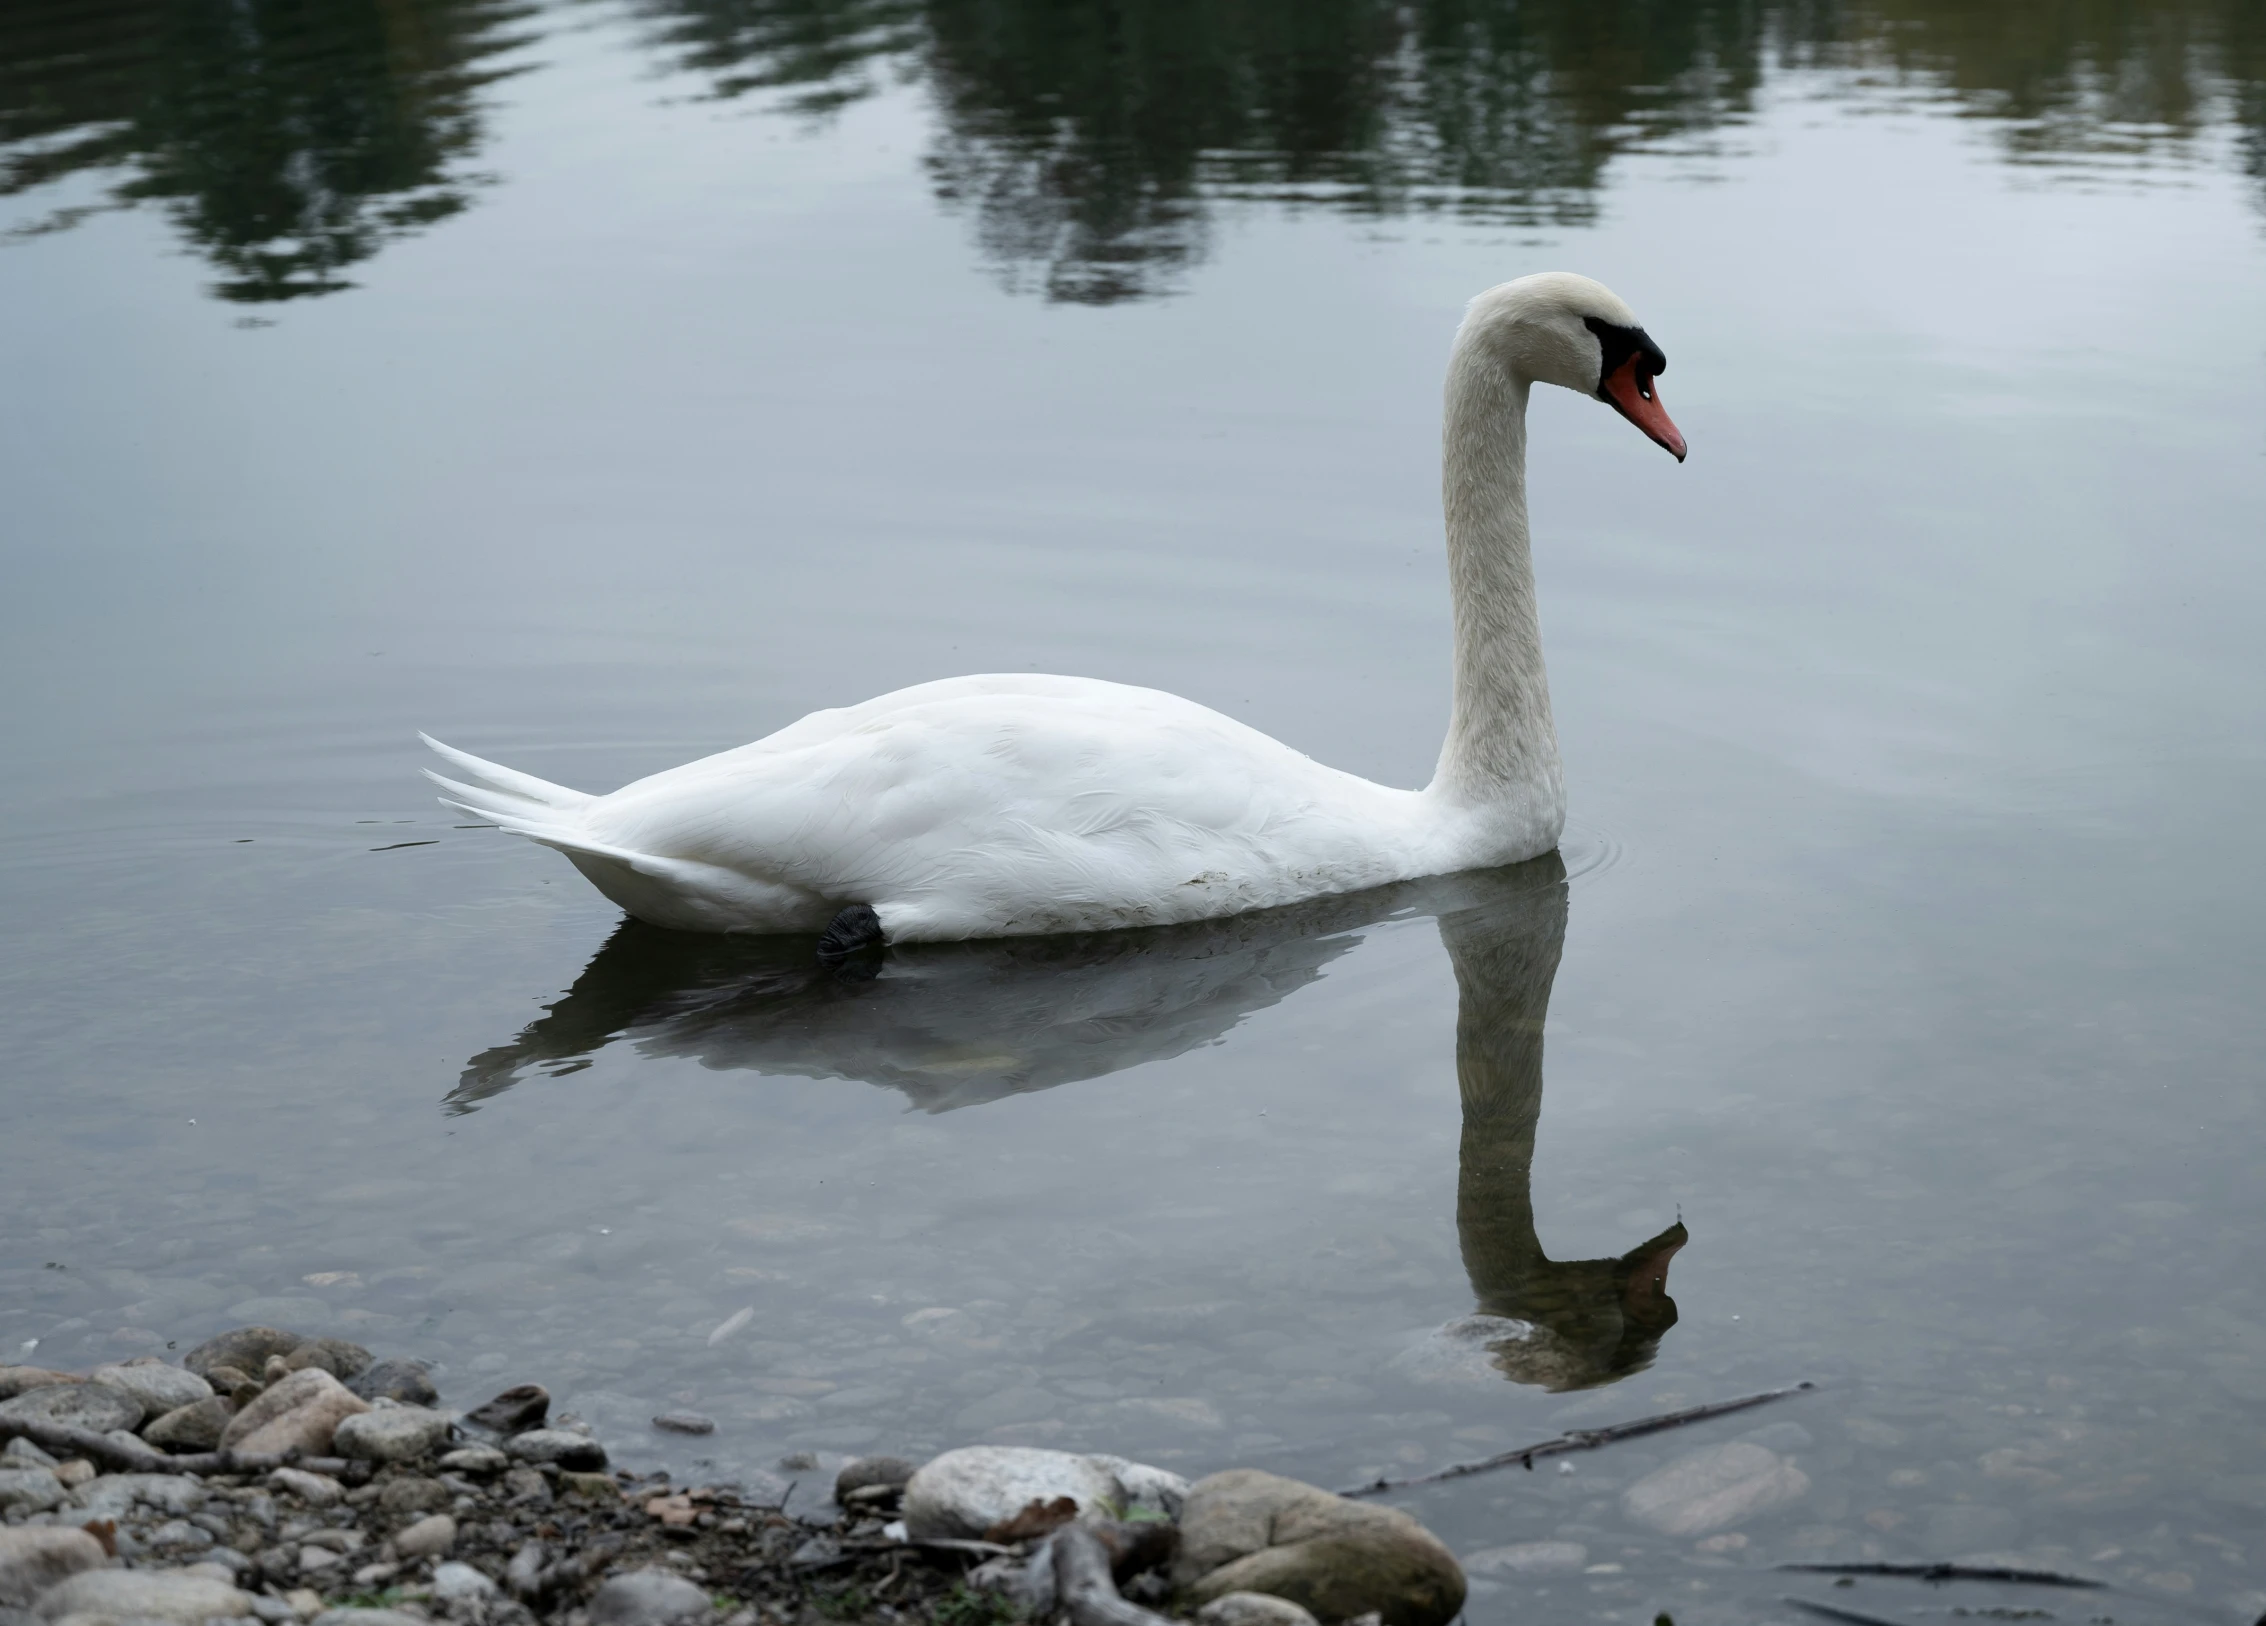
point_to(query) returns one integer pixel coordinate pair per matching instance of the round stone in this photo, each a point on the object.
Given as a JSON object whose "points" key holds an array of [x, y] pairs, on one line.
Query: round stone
{"points": [[159, 1388], [647, 1598], [568, 1450], [391, 1434], [246, 1349], [95, 1406]]}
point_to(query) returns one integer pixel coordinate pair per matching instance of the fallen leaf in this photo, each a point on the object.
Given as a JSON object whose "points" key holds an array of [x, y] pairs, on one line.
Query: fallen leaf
{"points": [[1036, 1519]]}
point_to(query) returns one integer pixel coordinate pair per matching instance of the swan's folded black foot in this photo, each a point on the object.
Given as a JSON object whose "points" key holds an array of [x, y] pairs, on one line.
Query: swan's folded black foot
{"points": [[853, 933]]}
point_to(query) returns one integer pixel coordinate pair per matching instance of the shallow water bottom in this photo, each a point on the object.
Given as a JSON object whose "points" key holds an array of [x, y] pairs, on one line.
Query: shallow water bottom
{"points": [[1354, 1190]]}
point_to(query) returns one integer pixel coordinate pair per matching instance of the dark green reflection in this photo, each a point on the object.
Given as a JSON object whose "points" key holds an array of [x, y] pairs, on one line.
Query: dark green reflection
{"points": [[288, 139], [1089, 139], [959, 1025]]}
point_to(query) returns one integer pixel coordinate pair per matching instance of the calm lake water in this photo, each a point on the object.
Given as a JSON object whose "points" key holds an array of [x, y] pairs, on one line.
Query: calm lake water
{"points": [[600, 385]]}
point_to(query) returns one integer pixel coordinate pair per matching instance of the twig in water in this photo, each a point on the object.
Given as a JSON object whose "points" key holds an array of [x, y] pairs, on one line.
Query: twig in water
{"points": [[1582, 1439], [1826, 1611], [1949, 1572]]}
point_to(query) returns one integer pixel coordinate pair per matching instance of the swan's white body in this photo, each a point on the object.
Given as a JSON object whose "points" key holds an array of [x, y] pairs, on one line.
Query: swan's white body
{"points": [[994, 806], [1011, 804]]}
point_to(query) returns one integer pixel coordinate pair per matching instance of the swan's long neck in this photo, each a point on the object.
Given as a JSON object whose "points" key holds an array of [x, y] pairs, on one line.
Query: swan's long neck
{"points": [[1502, 749]]}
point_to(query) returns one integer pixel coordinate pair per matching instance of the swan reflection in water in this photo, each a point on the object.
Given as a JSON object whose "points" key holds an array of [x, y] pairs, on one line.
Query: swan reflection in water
{"points": [[958, 1025]]}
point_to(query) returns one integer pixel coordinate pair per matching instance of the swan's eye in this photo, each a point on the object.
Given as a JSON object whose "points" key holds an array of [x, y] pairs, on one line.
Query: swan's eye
{"points": [[1619, 346]]}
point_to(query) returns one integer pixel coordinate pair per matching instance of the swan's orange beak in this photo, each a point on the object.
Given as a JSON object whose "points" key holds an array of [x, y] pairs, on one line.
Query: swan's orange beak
{"points": [[1630, 393]]}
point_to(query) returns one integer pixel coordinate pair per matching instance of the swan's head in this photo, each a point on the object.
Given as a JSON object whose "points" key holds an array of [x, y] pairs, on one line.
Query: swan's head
{"points": [[1557, 328]]}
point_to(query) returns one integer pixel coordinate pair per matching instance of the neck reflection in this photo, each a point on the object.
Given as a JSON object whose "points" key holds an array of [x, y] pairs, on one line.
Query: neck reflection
{"points": [[1574, 1323], [959, 1025]]}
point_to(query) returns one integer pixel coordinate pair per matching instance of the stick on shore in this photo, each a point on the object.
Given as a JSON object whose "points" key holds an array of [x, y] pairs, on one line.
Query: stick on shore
{"points": [[107, 1452], [1084, 1587]]}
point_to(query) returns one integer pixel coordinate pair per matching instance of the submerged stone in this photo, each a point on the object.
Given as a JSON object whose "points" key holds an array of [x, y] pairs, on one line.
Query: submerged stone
{"points": [[1247, 1531], [246, 1349], [1713, 1489]]}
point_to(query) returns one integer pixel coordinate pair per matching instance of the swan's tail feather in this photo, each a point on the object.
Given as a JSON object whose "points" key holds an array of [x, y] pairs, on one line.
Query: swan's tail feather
{"points": [[507, 788], [525, 822]]}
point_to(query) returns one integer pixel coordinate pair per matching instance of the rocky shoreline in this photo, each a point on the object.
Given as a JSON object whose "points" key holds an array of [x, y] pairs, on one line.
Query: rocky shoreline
{"points": [[276, 1480]]}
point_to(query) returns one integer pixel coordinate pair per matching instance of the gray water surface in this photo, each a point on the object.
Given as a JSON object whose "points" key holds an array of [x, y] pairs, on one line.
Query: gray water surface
{"points": [[596, 386]]}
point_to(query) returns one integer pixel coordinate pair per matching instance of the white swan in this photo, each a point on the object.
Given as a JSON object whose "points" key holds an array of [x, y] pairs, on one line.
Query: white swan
{"points": [[1008, 804]]}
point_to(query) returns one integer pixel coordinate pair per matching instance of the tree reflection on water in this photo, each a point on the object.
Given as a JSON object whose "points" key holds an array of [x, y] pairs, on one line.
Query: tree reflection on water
{"points": [[287, 139], [1089, 141]]}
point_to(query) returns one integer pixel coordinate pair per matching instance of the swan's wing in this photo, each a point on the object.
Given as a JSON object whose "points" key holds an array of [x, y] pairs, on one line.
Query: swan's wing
{"points": [[817, 727], [1019, 804]]}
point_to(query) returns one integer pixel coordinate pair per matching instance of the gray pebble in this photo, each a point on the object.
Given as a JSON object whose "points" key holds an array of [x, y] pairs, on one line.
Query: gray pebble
{"points": [[413, 1493], [116, 1496], [245, 1348], [429, 1537], [316, 1490], [474, 1459], [179, 1533], [461, 1583], [556, 1445], [685, 1422], [391, 1434], [514, 1411], [338, 1357], [872, 1473], [29, 1490], [647, 1598], [158, 1388], [131, 1594], [524, 1487], [31, 1561], [76, 1405], [820, 1549], [395, 1379], [194, 1427]]}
